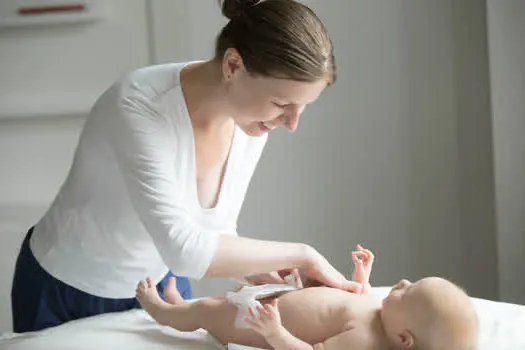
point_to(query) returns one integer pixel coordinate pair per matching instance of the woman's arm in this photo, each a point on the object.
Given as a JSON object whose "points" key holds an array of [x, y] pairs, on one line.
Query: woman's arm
{"points": [[238, 257], [143, 146]]}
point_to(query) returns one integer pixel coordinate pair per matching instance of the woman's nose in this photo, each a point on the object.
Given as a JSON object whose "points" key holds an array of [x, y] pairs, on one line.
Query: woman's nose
{"points": [[291, 119]]}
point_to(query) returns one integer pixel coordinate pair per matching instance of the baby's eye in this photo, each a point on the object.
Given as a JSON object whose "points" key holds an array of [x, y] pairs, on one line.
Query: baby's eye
{"points": [[279, 105]]}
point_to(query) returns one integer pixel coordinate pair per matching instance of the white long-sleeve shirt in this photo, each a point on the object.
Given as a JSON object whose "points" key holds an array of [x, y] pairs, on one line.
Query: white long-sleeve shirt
{"points": [[129, 206]]}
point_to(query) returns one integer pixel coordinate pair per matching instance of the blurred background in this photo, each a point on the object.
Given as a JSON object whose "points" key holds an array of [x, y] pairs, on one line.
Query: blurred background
{"points": [[417, 152]]}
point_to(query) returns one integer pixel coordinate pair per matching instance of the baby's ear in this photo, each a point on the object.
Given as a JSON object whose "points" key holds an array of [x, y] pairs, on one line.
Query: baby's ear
{"points": [[406, 339]]}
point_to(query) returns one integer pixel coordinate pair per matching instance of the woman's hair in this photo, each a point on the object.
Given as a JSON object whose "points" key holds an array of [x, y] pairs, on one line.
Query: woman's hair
{"points": [[277, 38]]}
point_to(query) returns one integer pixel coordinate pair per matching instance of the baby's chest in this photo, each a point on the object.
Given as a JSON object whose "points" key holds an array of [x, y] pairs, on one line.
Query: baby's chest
{"points": [[312, 320]]}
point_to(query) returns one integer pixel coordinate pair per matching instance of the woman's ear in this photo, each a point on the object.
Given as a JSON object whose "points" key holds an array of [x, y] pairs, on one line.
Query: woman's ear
{"points": [[231, 63]]}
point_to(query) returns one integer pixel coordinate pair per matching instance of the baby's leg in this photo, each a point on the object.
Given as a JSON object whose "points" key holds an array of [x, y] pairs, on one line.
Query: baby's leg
{"points": [[179, 314], [215, 315], [171, 294]]}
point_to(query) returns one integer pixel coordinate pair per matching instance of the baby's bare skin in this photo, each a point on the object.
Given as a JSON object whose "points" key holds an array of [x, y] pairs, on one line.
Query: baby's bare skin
{"points": [[310, 314], [316, 314], [431, 310]]}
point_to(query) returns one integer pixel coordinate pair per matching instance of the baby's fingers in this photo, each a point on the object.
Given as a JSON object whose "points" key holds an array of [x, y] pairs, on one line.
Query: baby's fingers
{"points": [[264, 313], [369, 256], [255, 313], [355, 258], [368, 253], [366, 257], [275, 304], [254, 320], [272, 308], [254, 324]]}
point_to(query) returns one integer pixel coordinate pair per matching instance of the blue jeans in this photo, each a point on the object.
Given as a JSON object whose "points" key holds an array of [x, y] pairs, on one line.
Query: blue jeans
{"points": [[40, 301]]}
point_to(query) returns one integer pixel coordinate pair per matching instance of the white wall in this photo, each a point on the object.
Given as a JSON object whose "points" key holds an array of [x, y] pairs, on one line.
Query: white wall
{"points": [[47, 71], [474, 137], [507, 71], [35, 157]]}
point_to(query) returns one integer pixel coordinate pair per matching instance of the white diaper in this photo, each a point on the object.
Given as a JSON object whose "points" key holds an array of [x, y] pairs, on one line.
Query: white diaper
{"points": [[248, 296]]}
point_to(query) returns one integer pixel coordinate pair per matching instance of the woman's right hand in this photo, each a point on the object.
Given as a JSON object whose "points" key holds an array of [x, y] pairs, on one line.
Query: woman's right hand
{"points": [[319, 270]]}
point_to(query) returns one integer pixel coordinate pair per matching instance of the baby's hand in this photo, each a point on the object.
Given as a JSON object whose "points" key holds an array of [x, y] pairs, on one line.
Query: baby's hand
{"points": [[363, 260], [268, 322]]}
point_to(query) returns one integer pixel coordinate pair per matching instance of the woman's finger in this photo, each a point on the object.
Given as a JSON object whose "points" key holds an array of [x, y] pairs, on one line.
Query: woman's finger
{"points": [[352, 287], [297, 279], [276, 278], [284, 272]]}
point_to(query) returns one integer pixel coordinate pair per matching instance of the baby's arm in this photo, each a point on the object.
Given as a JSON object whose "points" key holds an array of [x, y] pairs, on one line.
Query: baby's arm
{"points": [[284, 340], [363, 260], [350, 339], [267, 322]]}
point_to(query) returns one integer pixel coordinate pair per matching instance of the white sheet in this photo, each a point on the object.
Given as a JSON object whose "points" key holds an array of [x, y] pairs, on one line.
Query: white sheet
{"points": [[502, 325], [130, 330], [502, 328]]}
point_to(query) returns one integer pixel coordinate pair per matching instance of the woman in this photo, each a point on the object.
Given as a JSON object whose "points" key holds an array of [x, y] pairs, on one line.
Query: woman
{"points": [[161, 171]]}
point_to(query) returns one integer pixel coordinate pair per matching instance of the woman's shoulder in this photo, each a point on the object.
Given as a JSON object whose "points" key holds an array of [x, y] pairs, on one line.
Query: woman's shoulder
{"points": [[148, 97], [151, 81]]}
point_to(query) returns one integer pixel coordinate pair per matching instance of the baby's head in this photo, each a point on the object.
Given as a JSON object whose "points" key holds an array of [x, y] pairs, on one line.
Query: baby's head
{"points": [[430, 314]]}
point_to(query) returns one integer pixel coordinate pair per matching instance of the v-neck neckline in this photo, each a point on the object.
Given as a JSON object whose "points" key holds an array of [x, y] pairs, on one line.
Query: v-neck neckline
{"points": [[225, 171]]}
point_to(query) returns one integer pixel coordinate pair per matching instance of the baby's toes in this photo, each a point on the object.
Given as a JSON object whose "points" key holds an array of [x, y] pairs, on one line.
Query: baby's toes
{"points": [[141, 287]]}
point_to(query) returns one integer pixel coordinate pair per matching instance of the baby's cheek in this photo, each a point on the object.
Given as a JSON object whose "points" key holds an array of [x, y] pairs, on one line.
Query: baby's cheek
{"points": [[393, 302]]}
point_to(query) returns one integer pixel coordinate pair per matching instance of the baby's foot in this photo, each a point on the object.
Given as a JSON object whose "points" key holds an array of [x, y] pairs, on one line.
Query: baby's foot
{"points": [[171, 294], [150, 300]]}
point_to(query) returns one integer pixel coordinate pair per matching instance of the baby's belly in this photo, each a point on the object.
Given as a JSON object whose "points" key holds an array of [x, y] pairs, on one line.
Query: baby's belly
{"points": [[314, 314]]}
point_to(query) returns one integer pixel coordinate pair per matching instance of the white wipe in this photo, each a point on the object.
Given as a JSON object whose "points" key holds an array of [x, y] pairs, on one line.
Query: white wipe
{"points": [[248, 296]]}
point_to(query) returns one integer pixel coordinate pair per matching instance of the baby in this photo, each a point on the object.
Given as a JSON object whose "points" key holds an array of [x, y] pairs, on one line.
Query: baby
{"points": [[430, 314]]}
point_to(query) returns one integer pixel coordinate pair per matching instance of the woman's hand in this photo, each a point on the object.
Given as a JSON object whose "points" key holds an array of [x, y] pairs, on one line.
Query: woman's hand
{"points": [[276, 277], [265, 278], [319, 270]]}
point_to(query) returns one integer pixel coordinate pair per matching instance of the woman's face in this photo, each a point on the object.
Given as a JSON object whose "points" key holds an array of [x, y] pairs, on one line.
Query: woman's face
{"points": [[260, 104]]}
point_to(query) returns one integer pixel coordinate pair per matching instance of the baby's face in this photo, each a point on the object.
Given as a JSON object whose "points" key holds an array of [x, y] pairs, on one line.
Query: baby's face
{"points": [[394, 312], [430, 310]]}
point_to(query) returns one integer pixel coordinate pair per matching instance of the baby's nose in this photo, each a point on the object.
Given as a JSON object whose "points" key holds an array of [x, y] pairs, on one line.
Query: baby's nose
{"points": [[402, 284], [405, 283]]}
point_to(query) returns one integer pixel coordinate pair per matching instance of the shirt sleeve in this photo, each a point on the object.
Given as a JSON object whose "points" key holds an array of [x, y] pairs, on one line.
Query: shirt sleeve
{"points": [[143, 144]]}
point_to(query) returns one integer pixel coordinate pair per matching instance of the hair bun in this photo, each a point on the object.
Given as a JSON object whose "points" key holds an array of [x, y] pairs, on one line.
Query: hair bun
{"points": [[234, 8]]}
